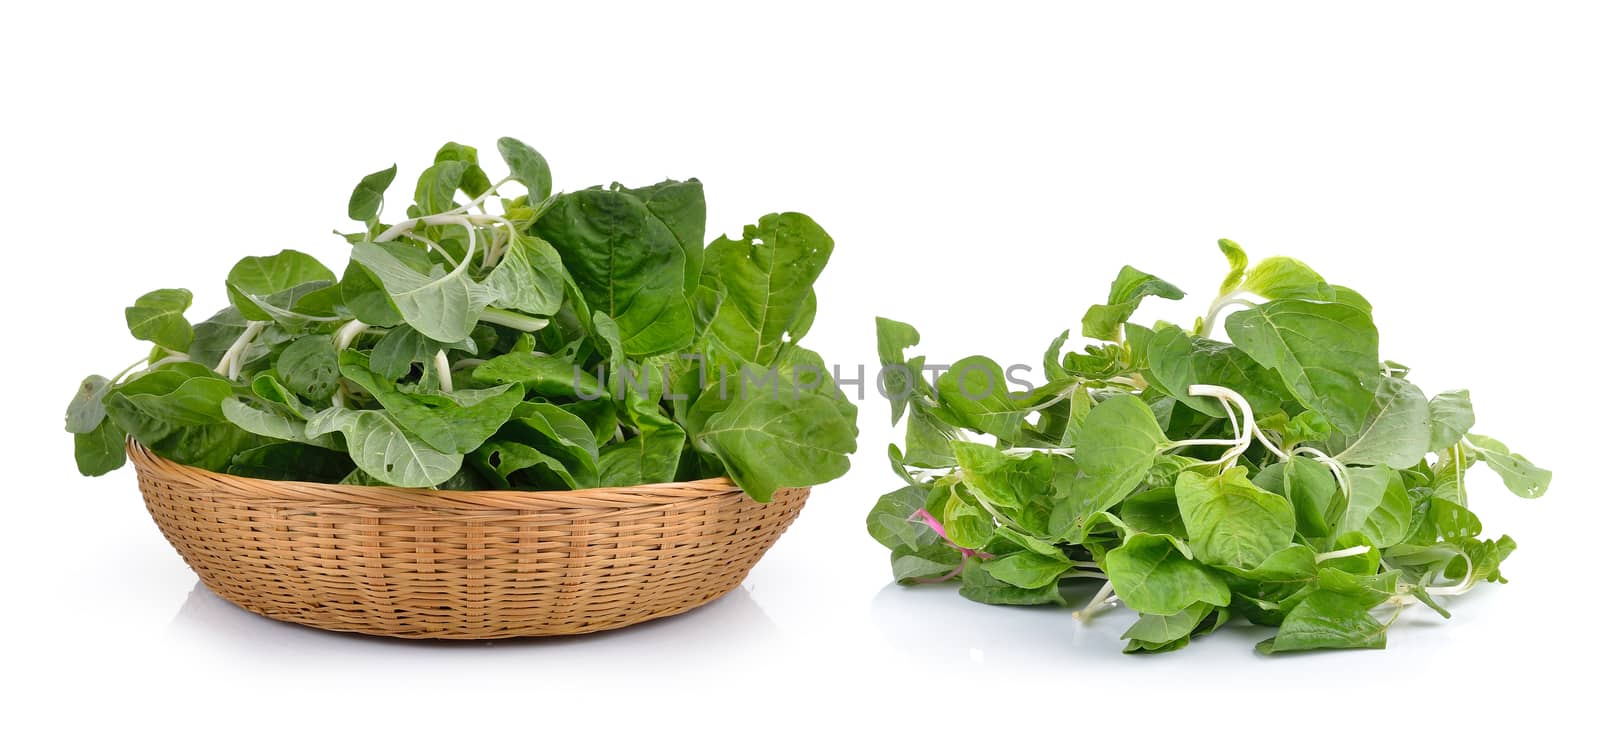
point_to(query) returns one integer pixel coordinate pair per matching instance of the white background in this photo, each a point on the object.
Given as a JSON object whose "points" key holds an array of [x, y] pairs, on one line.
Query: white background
{"points": [[985, 169]]}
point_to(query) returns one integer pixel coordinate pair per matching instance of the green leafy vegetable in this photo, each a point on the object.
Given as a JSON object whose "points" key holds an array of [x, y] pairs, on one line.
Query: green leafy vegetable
{"points": [[497, 334], [1289, 477]]}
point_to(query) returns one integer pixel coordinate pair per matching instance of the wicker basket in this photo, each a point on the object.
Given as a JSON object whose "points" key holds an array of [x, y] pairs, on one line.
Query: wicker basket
{"points": [[431, 564]]}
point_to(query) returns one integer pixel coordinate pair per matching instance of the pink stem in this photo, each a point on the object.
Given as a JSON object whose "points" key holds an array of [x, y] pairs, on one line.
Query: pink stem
{"points": [[938, 528]]}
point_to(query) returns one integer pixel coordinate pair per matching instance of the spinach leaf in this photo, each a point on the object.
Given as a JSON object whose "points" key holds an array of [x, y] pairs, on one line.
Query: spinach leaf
{"points": [[1282, 277], [1519, 474], [290, 462], [455, 422], [1327, 620], [1396, 432], [1117, 448], [559, 434], [1152, 576], [267, 422], [648, 457], [100, 450], [384, 450], [766, 278], [1231, 521], [181, 393], [366, 201], [88, 408], [893, 520], [529, 278], [898, 380], [1449, 418], [441, 304], [309, 365], [793, 436], [1104, 321], [626, 263], [157, 317], [977, 396], [1380, 506], [527, 166], [1326, 353], [253, 279]]}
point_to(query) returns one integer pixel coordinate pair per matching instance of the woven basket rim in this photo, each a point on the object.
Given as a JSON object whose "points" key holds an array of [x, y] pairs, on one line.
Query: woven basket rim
{"points": [[636, 496]]}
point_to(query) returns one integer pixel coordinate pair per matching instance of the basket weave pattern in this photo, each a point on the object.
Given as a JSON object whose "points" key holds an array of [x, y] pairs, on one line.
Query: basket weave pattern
{"points": [[461, 565]]}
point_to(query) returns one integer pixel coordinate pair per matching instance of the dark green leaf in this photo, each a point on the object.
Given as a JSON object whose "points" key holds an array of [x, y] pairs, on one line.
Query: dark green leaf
{"points": [[626, 263], [100, 450]]}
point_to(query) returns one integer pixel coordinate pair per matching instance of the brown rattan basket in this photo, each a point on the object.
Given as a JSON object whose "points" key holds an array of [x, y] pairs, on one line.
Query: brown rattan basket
{"points": [[431, 564]]}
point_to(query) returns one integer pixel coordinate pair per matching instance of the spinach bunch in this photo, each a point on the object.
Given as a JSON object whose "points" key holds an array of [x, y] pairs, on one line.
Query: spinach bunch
{"points": [[1287, 474], [557, 341]]}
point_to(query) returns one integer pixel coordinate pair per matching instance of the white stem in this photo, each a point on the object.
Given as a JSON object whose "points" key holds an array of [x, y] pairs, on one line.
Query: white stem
{"points": [[472, 241], [348, 333], [443, 218], [232, 360], [1059, 397], [145, 364], [499, 251], [481, 198], [1025, 452], [512, 320], [1233, 417], [425, 241], [496, 249], [1244, 427], [1202, 442], [1217, 306], [276, 311], [1463, 586], [1334, 465], [1101, 598], [441, 366], [466, 363], [1345, 553]]}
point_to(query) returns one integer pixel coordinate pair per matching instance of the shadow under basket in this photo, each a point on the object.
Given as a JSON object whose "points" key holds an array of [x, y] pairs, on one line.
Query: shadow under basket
{"points": [[435, 564]]}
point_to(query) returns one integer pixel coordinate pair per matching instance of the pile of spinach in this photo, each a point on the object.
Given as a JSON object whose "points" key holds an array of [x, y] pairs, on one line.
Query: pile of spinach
{"points": [[557, 341], [1287, 474]]}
